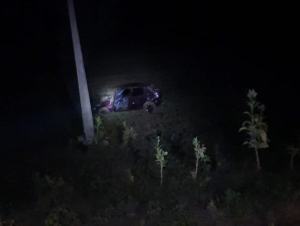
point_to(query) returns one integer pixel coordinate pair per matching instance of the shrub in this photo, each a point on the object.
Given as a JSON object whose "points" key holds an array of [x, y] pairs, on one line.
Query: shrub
{"points": [[62, 217], [153, 208], [200, 155], [100, 133], [233, 202], [183, 220], [129, 134]]}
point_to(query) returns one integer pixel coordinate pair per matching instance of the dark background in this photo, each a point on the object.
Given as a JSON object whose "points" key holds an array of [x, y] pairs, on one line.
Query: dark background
{"points": [[214, 50]]}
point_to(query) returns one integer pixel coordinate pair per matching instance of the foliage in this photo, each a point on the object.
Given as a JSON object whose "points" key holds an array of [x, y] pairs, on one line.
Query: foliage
{"points": [[100, 133], [103, 176], [62, 217], [4, 223], [129, 151], [160, 157], [200, 155], [49, 189], [103, 216], [232, 201], [183, 220], [213, 210], [153, 208], [129, 134], [256, 128], [54, 182]]}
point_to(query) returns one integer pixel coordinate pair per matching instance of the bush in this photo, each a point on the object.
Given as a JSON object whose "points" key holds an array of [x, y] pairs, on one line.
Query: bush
{"points": [[62, 217], [232, 201]]}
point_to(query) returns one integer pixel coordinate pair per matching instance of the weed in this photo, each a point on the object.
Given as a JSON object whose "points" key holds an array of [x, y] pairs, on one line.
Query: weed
{"points": [[128, 149], [61, 217], [129, 134], [200, 155], [160, 158], [100, 133], [50, 189], [153, 208], [5, 223], [183, 220], [213, 210], [233, 202], [256, 128], [103, 216], [54, 182]]}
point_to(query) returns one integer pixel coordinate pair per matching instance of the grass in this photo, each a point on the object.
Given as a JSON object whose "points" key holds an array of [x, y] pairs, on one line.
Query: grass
{"points": [[117, 182]]}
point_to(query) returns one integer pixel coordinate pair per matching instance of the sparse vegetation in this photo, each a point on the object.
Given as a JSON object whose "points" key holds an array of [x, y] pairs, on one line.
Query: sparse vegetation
{"points": [[6, 223], [62, 217], [116, 183]]}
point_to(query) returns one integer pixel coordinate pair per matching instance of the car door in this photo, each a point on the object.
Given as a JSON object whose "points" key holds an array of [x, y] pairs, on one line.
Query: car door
{"points": [[122, 99], [138, 98]]}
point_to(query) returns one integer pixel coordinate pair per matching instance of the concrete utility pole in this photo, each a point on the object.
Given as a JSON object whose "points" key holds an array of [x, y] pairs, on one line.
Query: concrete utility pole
{"points": [[86, 110]]}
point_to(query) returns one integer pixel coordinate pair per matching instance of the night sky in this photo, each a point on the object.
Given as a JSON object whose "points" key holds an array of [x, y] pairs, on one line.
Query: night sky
{"points": [[220, 48]]}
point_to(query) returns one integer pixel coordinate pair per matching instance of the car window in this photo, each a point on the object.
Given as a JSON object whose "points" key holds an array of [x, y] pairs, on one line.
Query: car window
{"points": [[138, 91], [126, 93]]}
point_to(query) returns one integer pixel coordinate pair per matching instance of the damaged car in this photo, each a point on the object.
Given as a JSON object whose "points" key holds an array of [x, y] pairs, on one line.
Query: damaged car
{"points": [[129, 97]]}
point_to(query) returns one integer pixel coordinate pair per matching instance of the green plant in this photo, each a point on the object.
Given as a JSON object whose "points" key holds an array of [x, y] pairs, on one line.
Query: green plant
{"points": [[54, 182], [128, 150], [129, 134], [183, 220], [11, 223], [200, 155], [103, 216], [62, 217], [213, 210], [160, 157], [49, 188], [256, 128], [233, 202], [293, 151], [99, 130], [153, 208], [130, 175]]}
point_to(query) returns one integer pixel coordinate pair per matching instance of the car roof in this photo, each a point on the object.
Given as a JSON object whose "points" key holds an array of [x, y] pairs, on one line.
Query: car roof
{"points": [[131, 85]]}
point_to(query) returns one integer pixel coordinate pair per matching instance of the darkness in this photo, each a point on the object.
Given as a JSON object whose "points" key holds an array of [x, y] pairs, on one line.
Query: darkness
{"points": [[215, 50]]}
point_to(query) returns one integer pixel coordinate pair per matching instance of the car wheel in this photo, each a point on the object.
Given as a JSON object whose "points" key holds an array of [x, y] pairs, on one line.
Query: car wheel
{"points": [[103, 110], [149, 106]]}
